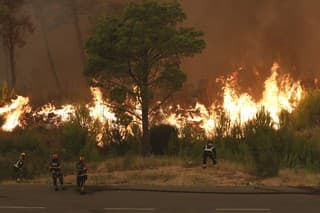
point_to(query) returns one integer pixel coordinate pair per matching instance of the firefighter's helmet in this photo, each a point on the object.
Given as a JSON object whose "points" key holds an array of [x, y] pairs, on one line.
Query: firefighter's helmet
{"points": [[55, 156]]}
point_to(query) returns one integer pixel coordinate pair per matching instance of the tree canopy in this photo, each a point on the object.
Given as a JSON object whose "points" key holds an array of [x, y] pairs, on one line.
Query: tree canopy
{"points": [[138, 55]]}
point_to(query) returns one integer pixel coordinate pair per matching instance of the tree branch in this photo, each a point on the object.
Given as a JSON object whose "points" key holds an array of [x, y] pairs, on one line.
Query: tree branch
{"points": [[132, 112], [116, 84], [113, 106], [135, 78], [161, 103]]}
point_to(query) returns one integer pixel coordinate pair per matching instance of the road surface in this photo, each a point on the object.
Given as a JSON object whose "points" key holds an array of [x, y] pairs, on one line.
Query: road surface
{"points": [[42, 198]]}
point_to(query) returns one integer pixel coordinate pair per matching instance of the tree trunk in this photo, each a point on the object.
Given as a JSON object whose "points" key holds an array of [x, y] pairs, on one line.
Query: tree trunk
{"points": [[10, 45], [11, 50], [76, 23], [5, 62], [38, 11], [145, 122], [51, 62]]}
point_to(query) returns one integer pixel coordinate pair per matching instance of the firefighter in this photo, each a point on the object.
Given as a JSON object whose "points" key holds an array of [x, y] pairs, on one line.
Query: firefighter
{"points": [[19, 166], [81, 172], [55, 170], [209, 151]]}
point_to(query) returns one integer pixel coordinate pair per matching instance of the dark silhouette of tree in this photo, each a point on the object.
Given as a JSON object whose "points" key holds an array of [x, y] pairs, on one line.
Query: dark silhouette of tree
{"points": [[75, 19], [90, 8], [38, 8], [137, 56], [14, 25]]}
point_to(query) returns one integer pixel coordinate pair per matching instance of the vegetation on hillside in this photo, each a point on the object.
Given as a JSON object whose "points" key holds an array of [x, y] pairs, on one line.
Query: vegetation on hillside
{"points": [[258, 146]]}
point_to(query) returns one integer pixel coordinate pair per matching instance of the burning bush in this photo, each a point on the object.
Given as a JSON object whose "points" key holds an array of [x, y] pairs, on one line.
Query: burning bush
{"points": [[266, 139], [6, 94]]}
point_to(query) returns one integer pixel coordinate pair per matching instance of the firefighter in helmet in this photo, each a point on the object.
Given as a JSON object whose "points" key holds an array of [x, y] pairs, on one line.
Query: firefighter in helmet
{"points": [[209, 152], [19, 166], [55, 170], [81, 172]]}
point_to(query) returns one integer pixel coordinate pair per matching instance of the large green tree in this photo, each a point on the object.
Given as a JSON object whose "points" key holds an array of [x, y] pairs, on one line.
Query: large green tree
{"points": [[137, 56]]}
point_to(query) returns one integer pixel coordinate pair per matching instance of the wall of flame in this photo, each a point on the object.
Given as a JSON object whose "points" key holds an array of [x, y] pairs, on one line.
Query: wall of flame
{"points": [[280, 93]]}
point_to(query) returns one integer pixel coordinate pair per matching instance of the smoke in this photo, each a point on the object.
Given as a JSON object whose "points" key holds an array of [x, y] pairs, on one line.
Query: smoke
{"points": [[253, 34], [250, 34]]}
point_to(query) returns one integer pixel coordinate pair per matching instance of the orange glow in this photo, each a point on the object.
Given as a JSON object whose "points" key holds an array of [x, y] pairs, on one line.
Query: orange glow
{"points": [[13, 112], [280, 93]]}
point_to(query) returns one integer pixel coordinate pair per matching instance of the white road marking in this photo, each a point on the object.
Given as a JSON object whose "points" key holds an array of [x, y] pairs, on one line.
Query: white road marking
{"points": [[129, 209], [243, 210], [22, 207]]}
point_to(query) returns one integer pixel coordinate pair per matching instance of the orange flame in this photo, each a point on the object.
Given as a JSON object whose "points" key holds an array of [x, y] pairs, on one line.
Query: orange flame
{"points": [[64, 113], [280, 93], [100, 110], [13, 112]]}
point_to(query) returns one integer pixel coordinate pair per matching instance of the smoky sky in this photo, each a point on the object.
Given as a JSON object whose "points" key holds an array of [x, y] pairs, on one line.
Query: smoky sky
{"points": [[255, 33], [251, 34]]}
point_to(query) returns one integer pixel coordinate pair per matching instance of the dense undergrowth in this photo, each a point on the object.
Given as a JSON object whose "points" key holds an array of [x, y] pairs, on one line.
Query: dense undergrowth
{"points": [[258, 145]]}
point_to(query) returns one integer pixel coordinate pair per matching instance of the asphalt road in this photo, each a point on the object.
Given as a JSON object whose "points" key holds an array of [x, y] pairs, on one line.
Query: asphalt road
{"points": [[42, 198]]}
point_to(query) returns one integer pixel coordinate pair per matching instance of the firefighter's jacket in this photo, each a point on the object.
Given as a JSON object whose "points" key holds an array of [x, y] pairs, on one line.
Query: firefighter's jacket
{"points": [[209, 147], [55, 167], [18, 164], [81, 168]]}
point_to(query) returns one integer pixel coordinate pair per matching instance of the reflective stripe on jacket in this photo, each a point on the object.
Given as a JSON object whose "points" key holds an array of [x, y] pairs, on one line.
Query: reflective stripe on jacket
{"points": [[55, 166], [209, 147], [18, 164]]}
